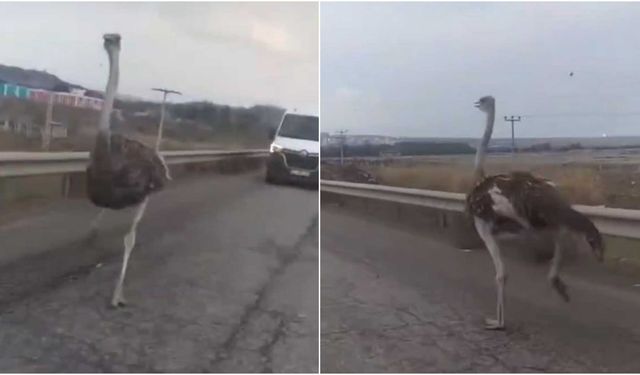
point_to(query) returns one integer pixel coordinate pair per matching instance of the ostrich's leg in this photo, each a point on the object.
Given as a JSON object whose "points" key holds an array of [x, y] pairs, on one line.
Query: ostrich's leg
{"points": [[166, 167], [554, 279], [484, 230], [129, 243]]}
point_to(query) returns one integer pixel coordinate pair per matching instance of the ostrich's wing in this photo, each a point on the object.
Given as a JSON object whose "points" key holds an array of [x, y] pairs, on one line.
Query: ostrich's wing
{"points": [[519, 197], [534, 198], [136, 166], [543, 206]]}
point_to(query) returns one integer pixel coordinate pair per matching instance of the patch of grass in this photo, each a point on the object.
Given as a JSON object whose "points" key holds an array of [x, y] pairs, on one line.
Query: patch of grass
{"points": [[580, 184], [432, 177]]}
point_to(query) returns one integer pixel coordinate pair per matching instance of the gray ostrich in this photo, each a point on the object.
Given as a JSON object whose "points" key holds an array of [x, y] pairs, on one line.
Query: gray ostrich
{"points": [[521, 201], [122, 172]]}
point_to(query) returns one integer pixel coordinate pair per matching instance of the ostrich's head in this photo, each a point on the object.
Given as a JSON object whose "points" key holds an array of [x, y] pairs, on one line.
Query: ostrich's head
{"points": [[486, 104], [111, 42]]}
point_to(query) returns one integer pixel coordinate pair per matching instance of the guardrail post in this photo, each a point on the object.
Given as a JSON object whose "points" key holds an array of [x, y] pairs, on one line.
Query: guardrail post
{"points": [[66, 185]]}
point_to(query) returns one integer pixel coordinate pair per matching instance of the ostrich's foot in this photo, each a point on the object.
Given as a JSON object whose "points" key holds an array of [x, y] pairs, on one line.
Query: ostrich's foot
{"points": [[560, 287], [493, 324], [118, 300]]}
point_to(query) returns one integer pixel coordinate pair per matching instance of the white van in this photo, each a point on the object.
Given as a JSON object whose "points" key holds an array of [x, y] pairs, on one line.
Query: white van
{"points": [[294, 152]]}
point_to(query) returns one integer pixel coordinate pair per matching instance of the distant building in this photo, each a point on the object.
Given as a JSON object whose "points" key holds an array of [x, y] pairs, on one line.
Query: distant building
{"points": [[370, 139], [324, 138], [330, 140], [20, 92], [89, 102], [39, 95], [76, 98], [65, 99], [356, 140], [78, 92]]}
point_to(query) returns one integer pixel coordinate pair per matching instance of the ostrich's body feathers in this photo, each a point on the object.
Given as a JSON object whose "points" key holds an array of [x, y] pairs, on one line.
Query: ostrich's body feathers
{"points": [[124, 173], [520, 200]]}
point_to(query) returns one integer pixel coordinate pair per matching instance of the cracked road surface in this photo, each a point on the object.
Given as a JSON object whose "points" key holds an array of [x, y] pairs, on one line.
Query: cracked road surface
{"points": [[224, 278], [399, 301]]}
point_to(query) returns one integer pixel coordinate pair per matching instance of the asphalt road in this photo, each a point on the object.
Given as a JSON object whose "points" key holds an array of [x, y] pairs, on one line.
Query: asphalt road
{"points": [[224, 279], [400, 301]]}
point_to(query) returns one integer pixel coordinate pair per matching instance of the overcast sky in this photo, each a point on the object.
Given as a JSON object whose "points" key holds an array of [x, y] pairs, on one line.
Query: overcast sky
{"points": [[229, 53], [415, 69]]}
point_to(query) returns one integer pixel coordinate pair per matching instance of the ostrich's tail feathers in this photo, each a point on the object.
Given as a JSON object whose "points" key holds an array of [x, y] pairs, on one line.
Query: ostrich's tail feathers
{"points": [[579, 223]]}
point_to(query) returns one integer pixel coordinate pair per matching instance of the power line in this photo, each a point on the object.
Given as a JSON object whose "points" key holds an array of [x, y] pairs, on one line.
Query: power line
{"points": [[512, 120], [164, 100], [342, 138], [167, 91]]}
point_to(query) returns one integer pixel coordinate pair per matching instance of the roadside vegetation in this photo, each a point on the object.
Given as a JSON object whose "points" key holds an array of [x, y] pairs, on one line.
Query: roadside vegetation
{"points": [[590, 183], [188, 126]]}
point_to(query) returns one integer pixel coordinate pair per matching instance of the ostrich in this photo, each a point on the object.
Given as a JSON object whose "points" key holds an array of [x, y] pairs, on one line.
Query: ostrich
{"points": [[122, 172], [521, 201]]}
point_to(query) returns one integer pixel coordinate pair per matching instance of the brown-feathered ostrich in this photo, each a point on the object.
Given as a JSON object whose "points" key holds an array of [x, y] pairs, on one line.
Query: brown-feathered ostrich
{"points": [[521, 201], [122, 172]]}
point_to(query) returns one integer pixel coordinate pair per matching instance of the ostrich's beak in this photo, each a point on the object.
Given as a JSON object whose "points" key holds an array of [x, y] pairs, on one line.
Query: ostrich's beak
{"points": [[476, 104], [111, 40]]}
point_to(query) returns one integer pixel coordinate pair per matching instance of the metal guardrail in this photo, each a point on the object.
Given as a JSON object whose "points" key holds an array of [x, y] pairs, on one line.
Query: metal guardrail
{"points": [[13, 164], [611, 221]]}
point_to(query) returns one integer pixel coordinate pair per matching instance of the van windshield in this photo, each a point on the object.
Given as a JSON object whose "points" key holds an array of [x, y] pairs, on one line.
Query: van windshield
{"points": [[300, 127]]}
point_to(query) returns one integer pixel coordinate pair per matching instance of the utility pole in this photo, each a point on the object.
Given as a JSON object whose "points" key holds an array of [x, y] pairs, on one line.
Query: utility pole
{"points": [[46, 132], [343, 138], [164, 100], [512, 120]]}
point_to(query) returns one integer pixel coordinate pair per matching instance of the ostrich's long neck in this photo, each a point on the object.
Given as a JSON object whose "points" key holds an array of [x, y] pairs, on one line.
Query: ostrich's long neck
{"points": [[482, 148], [110, 95]]}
